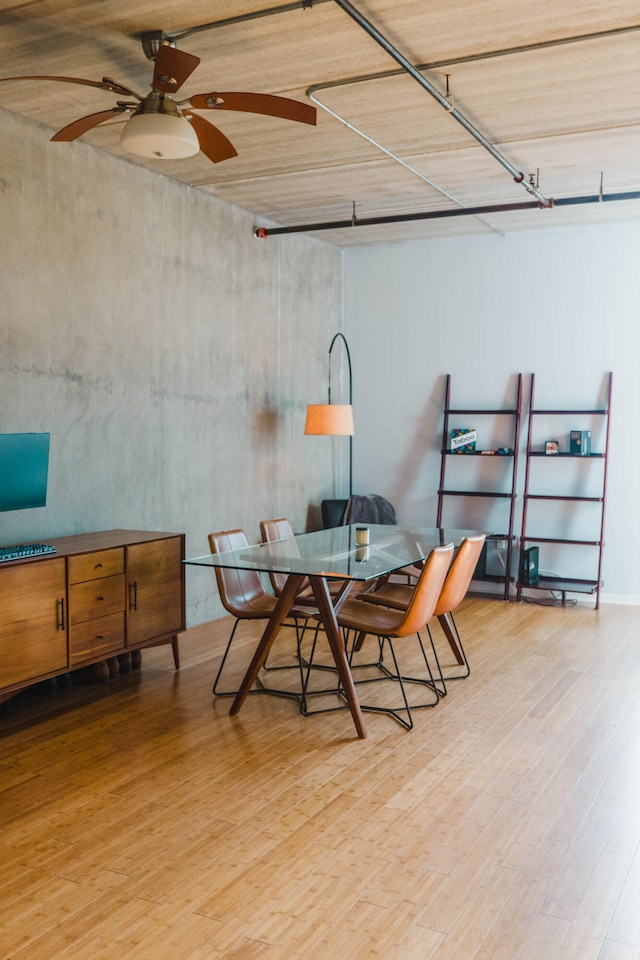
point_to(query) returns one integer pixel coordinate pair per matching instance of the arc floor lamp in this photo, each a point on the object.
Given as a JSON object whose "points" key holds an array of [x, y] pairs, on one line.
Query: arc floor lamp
{"points": [[334, 419]]}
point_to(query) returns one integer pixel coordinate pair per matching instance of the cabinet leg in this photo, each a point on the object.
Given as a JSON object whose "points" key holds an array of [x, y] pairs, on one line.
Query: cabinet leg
{"points": [[176, 652], [124, 660]]}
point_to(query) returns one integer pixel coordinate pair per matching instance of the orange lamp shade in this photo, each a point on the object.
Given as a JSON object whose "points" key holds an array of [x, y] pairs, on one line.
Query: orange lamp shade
{"points": [[329, 419]]}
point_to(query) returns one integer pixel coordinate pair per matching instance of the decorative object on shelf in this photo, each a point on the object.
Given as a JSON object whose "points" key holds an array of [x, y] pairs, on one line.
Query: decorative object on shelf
{"points": [[552, 446], [463, 440], [334, 419], [529, 560], [580, 443]]}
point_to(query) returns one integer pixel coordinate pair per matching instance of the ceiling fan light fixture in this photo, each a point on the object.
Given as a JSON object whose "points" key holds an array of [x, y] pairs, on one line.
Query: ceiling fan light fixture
{"points": [[159, 136]]}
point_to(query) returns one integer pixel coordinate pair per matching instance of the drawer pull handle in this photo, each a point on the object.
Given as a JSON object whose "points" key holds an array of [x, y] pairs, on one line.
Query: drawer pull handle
{"points": [[60, 605], [100, 598], [99, 636], [98, 566], [133, 595]]}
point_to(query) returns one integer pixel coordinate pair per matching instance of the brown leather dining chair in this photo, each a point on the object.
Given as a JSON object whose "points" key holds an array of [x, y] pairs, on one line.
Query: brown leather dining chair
{"points": [[281, 529], [454, 590], [361, 618], [272, 531], [243, 595]]}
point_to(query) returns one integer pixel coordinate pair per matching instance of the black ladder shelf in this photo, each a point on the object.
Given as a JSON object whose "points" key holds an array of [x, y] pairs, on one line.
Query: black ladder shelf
{"points": [[556, 582], [504, 471]]}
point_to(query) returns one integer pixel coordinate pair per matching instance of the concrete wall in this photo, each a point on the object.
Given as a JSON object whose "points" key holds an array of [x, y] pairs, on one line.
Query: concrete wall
{"points": [[169, 353], [560, 303]]}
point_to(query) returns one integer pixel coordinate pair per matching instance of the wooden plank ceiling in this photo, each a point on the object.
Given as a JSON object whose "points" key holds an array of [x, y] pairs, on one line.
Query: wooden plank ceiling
{"points": [[554, 86]]}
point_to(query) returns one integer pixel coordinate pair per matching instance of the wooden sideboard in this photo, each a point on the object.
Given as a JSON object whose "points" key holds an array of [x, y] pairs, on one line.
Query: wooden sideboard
{"points": [[98, 596]]}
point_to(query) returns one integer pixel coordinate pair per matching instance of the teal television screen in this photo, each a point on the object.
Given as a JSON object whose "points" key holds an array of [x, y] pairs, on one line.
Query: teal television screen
{"points": [[24, 470]]}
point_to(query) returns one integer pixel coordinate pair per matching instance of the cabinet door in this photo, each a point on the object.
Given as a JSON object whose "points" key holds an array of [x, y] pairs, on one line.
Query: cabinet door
{"points": [[33, 635], [155, 579]]}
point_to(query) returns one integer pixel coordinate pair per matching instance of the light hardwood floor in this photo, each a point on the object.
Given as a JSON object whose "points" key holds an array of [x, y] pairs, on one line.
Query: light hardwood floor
{"points": [[140, 821]]}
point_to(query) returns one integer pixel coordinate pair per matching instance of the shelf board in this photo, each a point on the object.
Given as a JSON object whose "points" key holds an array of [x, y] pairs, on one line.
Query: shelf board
{"points": [[478, 453], [472, 493], [458, 412], [563, 413], [551, 496], [572, 456], [579, 543], [563, 584], [492, 578]]}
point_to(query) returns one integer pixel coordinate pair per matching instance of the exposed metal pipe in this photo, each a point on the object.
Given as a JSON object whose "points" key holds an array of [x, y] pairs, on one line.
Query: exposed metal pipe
{"points": [[394, 156], [476, 57], [414, 71], [244, 17], [263, 232], [375, 34]]}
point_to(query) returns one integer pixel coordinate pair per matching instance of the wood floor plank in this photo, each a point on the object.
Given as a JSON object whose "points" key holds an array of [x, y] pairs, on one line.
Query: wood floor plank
{"points": [[140, 820]]}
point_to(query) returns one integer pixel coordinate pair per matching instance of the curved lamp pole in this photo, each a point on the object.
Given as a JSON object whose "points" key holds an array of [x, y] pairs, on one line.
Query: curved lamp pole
{"points": [[334, 419]]}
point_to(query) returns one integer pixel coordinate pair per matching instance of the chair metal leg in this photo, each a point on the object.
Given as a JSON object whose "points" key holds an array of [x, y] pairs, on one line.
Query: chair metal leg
{"points": [[395, 712], [214, 690], [450, 630], [310, 666], [436, 685], [262, 687]]}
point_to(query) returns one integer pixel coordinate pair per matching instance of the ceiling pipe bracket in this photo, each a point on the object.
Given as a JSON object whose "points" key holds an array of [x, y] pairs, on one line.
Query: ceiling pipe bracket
{"points": [[153, 40]]}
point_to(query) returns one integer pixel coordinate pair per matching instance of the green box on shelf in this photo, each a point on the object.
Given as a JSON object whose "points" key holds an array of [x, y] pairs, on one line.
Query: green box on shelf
{"points": [[580, 443]]}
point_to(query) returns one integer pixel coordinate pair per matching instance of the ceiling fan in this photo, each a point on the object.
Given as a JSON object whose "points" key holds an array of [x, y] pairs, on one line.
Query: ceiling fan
{"points": [[164, 128]]}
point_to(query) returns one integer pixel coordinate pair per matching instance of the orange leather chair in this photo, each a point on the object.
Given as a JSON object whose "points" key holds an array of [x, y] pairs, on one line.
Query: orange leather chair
{"points": [[387, 624], [454, 590]]}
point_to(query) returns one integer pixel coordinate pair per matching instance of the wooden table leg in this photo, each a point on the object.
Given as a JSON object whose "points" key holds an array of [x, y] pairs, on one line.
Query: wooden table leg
{"points": [[327, 612], [451, 637], [280, 612]]}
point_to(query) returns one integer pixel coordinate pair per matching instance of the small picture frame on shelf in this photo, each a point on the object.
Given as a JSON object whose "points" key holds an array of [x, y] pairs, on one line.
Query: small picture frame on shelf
{"points": [[551, 447]]}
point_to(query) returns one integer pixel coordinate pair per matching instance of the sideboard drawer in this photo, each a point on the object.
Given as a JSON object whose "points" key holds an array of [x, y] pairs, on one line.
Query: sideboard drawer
{"points": [[96, 598], [96, 638], [93, 566]]}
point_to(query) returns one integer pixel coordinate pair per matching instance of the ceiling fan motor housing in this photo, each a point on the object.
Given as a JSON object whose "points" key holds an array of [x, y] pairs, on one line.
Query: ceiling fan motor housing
{"points": [[158, 129]]}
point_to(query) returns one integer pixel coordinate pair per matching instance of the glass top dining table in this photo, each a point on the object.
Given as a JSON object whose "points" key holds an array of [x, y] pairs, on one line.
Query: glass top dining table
{"points": [[335, 553], [329, 555]]}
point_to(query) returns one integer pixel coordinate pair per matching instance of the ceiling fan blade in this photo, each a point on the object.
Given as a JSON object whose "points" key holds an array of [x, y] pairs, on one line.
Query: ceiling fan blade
{"points": [[105, 84], [256, 103], [213, 142], [74, 130], [172, 68]]}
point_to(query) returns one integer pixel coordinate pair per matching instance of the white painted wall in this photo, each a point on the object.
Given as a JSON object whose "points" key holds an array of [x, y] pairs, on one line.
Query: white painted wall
{"points": [[561, 303], [169, 353]]}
